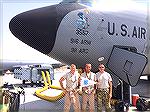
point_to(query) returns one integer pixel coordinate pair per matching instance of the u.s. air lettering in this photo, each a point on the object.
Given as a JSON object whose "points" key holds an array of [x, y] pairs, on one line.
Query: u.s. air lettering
{"points": [[135, 31], [139, 32]]}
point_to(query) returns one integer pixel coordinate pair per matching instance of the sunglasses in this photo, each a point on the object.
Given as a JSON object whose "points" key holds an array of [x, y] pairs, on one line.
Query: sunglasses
{"points": [[101, 67]]}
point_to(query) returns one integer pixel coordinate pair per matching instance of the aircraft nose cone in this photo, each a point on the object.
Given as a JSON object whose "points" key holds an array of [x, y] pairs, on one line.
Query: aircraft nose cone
{"points": [[37, 28]]}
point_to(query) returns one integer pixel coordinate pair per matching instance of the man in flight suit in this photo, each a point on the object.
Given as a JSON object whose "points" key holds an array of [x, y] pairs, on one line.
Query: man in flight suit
{"points": [[88, 91], [72, 96]]}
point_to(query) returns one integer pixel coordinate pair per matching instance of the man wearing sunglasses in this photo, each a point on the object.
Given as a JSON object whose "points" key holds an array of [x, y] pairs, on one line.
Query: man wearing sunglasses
{"points": [[104, 89], [88, 91]]}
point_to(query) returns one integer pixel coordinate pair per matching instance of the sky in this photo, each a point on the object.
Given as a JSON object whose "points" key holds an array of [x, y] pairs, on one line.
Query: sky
{"points": [[13, 49], [118, 5]]}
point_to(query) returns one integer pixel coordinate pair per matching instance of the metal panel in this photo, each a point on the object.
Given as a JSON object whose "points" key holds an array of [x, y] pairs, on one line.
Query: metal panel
{"points": [[127, 65]]}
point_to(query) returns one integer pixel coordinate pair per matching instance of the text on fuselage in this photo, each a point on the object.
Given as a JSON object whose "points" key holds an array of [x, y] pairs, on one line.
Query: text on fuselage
{"points": [[135, 32]]}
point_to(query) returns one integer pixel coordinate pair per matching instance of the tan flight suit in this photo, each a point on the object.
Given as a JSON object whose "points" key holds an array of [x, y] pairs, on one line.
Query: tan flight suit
{"points": [[72, 96], [88, 97]]}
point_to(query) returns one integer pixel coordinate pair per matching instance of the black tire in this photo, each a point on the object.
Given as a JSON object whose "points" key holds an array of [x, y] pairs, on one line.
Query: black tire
{"points": [[14, 102], [23, 82], [17, 103], [148, 78], [119, 106], [32, 84], [141, 105]]}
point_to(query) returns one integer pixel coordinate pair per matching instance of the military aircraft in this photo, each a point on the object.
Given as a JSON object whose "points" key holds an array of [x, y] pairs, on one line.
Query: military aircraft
{"points": [[71, 32]]}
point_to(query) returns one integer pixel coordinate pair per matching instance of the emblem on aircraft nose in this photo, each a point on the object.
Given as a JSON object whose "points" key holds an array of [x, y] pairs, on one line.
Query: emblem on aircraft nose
{"points": [[82, 24]]}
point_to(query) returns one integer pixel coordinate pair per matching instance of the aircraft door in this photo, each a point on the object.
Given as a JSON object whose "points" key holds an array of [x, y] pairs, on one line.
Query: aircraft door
{"points": [[127, 65]]}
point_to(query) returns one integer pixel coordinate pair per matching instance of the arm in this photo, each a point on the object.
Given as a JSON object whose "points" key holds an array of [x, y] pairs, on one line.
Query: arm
{"points": [[61, 82], [96, 81], [110, 88], [79, 81]]}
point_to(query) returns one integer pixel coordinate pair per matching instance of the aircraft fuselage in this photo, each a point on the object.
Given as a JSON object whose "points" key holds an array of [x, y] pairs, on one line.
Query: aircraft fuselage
{"points": [[84, 40], [73, 33]]}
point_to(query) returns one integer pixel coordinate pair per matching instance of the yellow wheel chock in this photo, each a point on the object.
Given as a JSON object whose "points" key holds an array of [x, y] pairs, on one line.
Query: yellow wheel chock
{"points": [[47, 85]]}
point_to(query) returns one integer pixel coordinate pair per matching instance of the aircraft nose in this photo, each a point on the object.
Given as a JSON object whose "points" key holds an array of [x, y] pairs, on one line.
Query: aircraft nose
{"points": [[37, 28]]}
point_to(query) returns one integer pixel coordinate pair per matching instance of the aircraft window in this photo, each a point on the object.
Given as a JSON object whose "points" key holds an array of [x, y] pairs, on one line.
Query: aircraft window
{"points": [[125, 48], [129, 48], [37, 66], [133, 49]]}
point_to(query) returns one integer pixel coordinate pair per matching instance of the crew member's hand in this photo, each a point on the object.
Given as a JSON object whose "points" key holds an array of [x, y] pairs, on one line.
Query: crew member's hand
{"points": [[110, 95], [84, 88], [63, 89]]}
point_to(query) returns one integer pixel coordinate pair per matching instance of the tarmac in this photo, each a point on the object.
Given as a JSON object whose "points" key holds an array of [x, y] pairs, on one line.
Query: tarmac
{"points": [[31, 103]]}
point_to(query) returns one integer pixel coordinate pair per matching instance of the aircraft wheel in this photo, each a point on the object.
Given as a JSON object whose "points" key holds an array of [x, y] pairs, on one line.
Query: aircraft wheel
{"points": [[148, 77], [14, 102], [23, 82]]}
